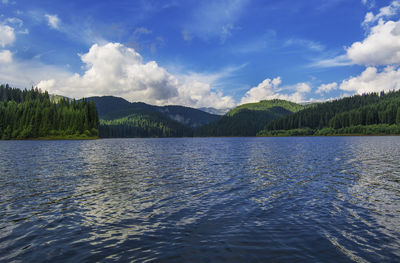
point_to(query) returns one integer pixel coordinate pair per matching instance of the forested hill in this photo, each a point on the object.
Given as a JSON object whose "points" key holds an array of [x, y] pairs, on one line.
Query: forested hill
{"points": [[111, 108], [267, 104], [248, 119], [143, 123], [31, 114], [361, 114], [120, 118]]}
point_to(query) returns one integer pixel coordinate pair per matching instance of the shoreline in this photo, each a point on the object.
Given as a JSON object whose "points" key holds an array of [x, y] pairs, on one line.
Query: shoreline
{"points": [[82, 138], [56, 138]]}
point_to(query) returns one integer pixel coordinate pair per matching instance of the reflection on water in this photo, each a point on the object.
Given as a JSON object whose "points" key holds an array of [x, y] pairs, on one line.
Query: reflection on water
{"points": [[201, 200]]}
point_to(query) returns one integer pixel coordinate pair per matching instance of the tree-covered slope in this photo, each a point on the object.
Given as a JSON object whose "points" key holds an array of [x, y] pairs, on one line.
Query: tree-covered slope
{"points": [[248, 119], [108, 104], [267, 104], [111, 108], [342, 116], [31, 114], [143, 123]]}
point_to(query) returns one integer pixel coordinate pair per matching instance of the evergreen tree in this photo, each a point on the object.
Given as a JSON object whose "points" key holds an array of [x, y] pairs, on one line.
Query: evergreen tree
{"points": [[31, 114]]}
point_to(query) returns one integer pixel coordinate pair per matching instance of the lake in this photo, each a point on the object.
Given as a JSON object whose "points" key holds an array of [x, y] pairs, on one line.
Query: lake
{"points": [[299, 199]]}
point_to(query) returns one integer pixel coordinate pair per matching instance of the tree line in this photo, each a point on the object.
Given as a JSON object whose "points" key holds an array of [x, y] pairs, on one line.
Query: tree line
{"points": [[31, 114], [375, 112], [242, 123], [248, 119]]}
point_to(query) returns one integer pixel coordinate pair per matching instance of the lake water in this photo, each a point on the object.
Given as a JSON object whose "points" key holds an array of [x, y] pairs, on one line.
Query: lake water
{"points": [[313, 199]]}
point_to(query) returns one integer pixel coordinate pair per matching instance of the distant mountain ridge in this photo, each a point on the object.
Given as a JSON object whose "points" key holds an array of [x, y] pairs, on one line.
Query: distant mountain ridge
{"points": [[121, 118], [110, 107], [360, 114]]}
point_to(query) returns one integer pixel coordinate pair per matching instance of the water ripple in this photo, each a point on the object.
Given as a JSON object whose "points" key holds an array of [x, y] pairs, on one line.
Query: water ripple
{"points": [[201, 200]]}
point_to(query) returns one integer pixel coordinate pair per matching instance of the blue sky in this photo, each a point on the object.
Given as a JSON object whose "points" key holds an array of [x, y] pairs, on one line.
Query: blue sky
{"points": [[202, 53]]}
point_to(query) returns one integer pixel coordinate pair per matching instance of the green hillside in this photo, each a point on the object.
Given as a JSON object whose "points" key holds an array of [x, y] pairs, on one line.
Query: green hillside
{"points": [[143, 123], [248, 119], [267, 104], [361, 114], [120, 118]]}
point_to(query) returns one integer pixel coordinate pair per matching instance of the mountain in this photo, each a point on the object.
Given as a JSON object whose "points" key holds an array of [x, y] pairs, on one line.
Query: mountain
{"points": [[267, 104], [143, 123], [110, 107], [248, 119], [138, 119], [361, 114]]}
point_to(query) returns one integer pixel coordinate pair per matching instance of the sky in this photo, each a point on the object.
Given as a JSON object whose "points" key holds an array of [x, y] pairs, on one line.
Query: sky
{"points": [[201, 53]]}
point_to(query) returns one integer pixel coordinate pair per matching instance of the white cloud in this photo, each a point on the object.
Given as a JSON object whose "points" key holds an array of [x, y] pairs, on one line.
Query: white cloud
{"points": [[384, 12], [381, 47], [46, 84], [368, 3], [114, 69], [142, 31], [269, 89], [14, 21], [16, 24], [6, 2], [226, 32], [196, 93], [5, 56], [326, 88], [53, 21], [372, 80], [23, 74], [309, 44], [338, 61], [215, 19], [7, 35]]}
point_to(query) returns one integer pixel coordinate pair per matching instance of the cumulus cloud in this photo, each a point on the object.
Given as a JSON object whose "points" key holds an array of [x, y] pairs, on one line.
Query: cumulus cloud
{"points": [[7, 35], [5, 56], [23, 74], [326, 88], [53, 21], [16, 24], [373, 80], [114, 69], [381, 47], [269, 89], [384, 12]]}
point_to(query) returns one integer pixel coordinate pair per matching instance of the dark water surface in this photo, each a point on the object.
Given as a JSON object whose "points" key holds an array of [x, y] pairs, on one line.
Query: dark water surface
{"points": [[334, 199]]}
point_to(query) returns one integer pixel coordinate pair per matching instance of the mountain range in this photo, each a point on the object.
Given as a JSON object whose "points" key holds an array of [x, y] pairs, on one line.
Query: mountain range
{"points": [[360, 114], [120, 118], [33, 113]]}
